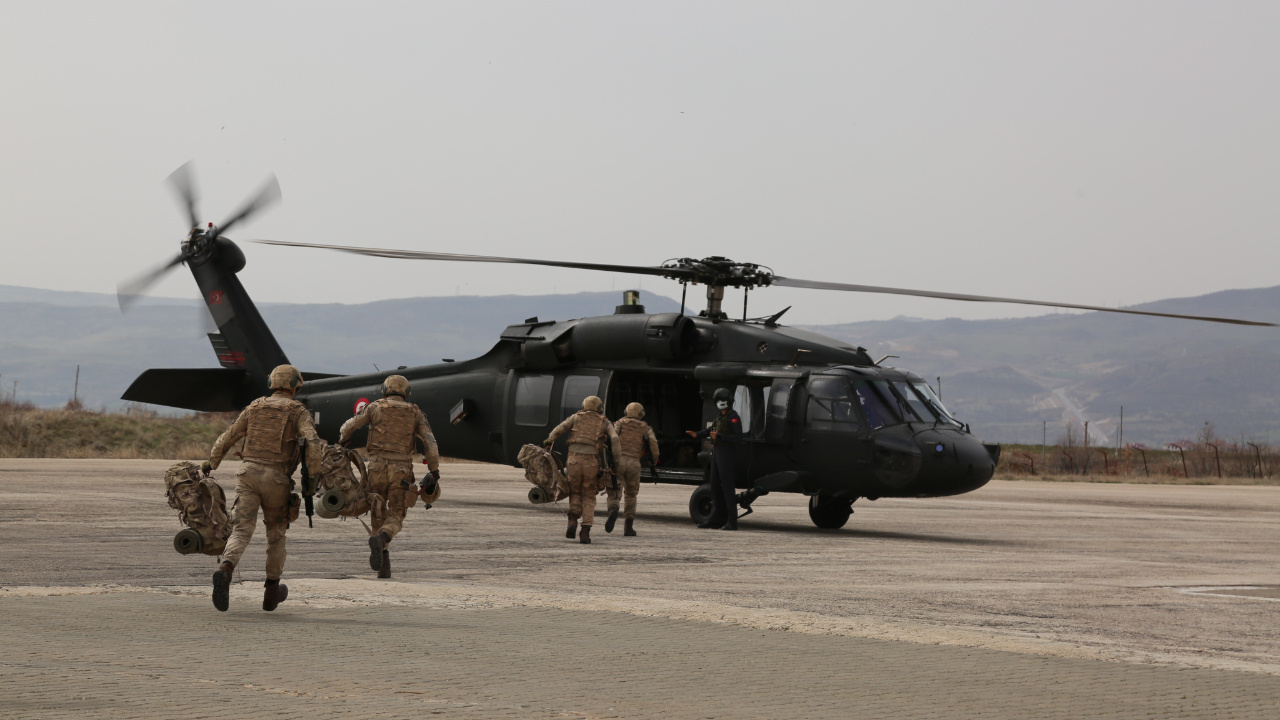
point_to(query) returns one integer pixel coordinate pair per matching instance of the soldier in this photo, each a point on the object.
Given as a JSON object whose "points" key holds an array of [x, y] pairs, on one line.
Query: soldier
{"points": [[725, 432], [270, 427], [395, 423], [633, 433], [589, 427]]}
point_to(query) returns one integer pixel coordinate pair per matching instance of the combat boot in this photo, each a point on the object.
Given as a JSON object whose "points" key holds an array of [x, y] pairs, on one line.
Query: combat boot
{"points": [[629, 529], [377, 543], [613, 520], [585, 536], [385, 570], [572, 532], [731, 525], [222, 586], [273, 594]]}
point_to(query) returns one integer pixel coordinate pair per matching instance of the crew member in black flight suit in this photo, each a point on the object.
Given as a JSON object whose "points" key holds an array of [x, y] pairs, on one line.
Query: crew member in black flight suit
{"points": [[725, 432]]}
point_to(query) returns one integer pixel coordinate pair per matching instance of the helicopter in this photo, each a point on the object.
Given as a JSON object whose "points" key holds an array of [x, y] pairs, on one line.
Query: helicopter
{"points": [[820, 417]]}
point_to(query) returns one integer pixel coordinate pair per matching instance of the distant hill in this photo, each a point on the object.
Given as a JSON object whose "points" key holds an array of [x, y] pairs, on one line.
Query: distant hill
{"points": [[42, 340], [1004, 377]]}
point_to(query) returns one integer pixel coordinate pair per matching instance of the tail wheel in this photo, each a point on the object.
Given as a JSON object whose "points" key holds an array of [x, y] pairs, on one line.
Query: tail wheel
{"points": [[700, 503], [829, 513]]}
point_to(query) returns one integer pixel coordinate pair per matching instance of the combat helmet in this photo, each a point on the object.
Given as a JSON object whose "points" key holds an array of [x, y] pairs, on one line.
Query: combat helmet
{"points": [[724, 394], [284, 377], [635, 410], [592, 403], [395, 385]]}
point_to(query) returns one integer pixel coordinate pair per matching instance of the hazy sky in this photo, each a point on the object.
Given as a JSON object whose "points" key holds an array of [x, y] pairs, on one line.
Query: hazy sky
{"points": [[1105, 153]]}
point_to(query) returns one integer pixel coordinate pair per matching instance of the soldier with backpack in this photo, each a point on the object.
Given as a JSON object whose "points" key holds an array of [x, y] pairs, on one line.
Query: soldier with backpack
{"points": [[588, 429], [633, 434], [394, 423], [271, 427]]}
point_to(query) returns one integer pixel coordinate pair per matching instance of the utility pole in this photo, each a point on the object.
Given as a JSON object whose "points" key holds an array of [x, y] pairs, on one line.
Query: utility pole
{"points": [[75, 394], [1044, 437], [1120, 440]]}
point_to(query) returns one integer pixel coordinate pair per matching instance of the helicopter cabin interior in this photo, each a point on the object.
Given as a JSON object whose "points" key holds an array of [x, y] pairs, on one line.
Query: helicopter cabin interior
{"points": [[673, 401]]}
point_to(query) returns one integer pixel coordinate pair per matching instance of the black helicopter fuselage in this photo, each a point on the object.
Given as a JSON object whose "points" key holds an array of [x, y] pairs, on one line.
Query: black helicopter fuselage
{"points": [[820, 417]]}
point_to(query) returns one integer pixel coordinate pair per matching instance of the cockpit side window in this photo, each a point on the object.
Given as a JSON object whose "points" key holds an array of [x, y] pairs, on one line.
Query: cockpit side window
{"points": [[831, 405], [877, 403]]}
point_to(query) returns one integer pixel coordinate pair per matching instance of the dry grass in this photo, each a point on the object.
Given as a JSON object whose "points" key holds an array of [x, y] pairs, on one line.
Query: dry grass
{"points": [[27, 431], [1205, 461]]}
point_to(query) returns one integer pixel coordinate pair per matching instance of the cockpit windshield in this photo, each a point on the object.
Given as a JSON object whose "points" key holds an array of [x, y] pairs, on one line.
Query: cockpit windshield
{"points": [[934, 402], [877, 402], [912, 405]]}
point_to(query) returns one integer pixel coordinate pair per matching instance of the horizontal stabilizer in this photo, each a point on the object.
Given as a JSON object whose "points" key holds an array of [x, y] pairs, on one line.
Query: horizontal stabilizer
{"points": [[202, 389]]}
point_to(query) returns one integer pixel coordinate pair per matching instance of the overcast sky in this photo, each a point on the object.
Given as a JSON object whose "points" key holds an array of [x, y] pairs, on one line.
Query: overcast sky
{"points": [[1104, 153]]}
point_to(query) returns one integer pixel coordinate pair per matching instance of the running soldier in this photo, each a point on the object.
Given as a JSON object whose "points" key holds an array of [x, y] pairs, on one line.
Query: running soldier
{"points": [[588, 429], [394, 425], [633, 433], [271, 427]]}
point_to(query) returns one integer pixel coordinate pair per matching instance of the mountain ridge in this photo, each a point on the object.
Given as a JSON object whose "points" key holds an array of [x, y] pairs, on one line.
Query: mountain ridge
{"points": [[1008, 378]]}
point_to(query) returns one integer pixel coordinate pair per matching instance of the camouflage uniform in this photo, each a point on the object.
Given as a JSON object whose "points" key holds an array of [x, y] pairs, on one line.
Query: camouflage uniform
{"points": [[633, 434], [587, 430], [395, 423], [271, 427]]}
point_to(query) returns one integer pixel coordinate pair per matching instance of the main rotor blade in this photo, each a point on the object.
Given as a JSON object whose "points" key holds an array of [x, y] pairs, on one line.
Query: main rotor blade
{"points": [[819, 285], [129, 293], [424, 255], [270, 193], [183, 183]]}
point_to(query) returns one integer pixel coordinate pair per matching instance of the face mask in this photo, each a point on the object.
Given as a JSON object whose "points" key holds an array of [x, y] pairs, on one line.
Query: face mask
{"points": [[722, 404]]}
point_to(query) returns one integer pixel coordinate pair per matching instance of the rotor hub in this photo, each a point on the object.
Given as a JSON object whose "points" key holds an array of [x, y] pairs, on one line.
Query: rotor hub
{"points": [[718, 271]]}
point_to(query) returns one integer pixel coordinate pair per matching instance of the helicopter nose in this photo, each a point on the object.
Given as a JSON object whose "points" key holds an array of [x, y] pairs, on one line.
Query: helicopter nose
{"points": [[955, 462]]}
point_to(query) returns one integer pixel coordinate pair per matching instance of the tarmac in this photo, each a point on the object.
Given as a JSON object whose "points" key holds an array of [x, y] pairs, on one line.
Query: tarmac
{"points": [[1022, 599]]}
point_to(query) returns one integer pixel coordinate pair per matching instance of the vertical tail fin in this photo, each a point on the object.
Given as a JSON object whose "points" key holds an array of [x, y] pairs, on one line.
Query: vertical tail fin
{"points": [[243, 340]]}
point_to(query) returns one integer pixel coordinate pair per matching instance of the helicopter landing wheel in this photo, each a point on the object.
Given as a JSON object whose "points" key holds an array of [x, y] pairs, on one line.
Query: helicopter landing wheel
{"points": [[700, 503], [829, 513]]}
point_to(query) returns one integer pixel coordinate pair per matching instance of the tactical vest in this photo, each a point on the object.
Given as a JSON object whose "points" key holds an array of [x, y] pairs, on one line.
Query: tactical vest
{"points": [[393, 430], [631, 434], [265, 441], [587, 428]]}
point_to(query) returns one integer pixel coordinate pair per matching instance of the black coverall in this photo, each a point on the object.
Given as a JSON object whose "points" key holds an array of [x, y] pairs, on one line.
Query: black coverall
{"points": [[724, 476]]}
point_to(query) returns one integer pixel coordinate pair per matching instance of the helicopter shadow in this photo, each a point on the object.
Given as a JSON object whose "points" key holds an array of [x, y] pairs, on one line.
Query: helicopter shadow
{"points": [[747, 525]]}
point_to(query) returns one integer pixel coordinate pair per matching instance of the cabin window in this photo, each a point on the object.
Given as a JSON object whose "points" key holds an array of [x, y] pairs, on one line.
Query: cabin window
{"points": [[777, 403], [742, 403], [576, 389], [533, 400], [877, 403], [831, 405]]}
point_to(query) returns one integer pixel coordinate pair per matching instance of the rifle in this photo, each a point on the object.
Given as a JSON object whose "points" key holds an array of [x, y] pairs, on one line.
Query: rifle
{"points": [[653, 467], [606, 466], [308, 484]]}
